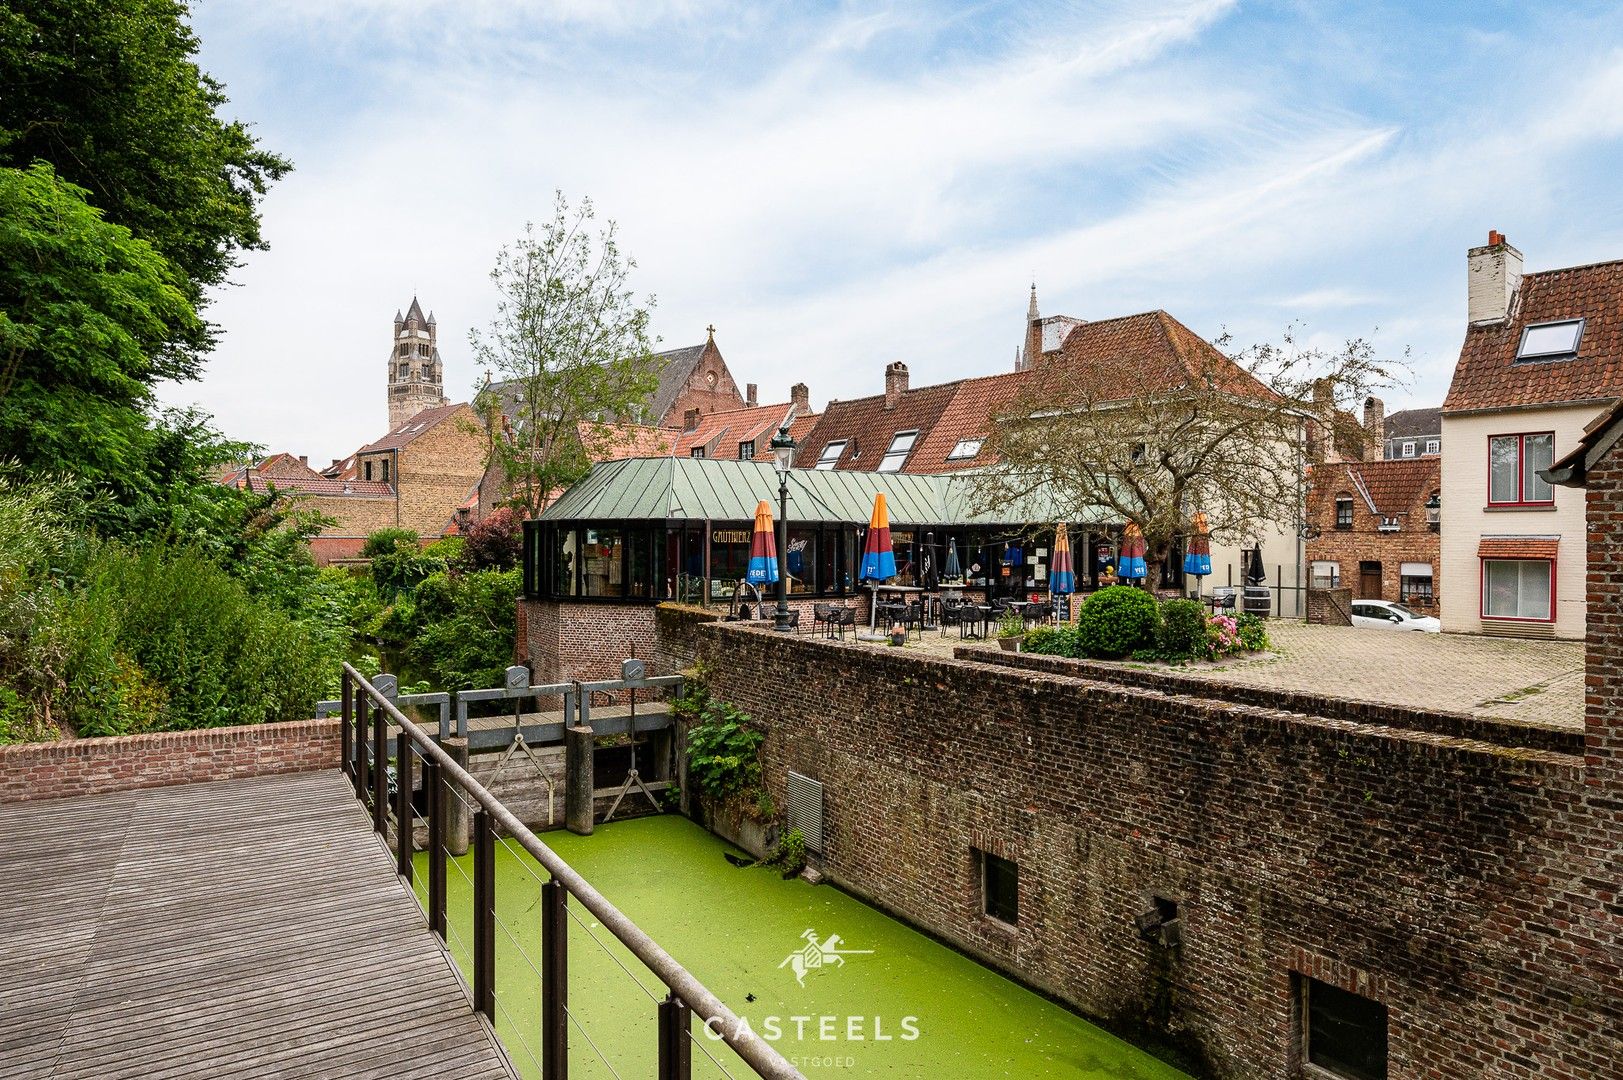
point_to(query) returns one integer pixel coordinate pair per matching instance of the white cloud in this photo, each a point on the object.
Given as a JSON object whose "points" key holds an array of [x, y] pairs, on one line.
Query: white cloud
{"points": [[835, 192]]}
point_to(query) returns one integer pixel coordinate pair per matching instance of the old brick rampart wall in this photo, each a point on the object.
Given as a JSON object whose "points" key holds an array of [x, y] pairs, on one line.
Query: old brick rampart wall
{"points": [[97, 766], [1470, 887]]}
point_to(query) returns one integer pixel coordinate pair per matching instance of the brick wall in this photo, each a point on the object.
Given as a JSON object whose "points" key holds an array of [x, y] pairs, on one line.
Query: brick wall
{"points": [[96, 766], [1413, 542], [1330, 607], [1471, 888], [1603, 677], [439, 470]]}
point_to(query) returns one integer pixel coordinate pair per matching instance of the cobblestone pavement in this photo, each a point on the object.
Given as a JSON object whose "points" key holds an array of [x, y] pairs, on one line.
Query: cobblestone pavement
{"points": [[1539, 682]]}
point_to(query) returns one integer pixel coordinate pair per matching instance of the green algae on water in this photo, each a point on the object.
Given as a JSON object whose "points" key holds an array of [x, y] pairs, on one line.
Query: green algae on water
{"points": [[847, 990]]}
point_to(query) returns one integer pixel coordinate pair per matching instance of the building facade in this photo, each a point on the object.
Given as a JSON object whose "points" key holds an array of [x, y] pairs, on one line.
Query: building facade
{"points": [[1542, 358], [1373, 529], [1413, 433]]}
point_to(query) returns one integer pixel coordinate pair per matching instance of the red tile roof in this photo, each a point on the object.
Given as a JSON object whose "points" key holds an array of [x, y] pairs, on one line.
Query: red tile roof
{"points": [[412, 429], [1111, 358], [721, 432], [1391, 488], [868, 427], [1518, 547], [324, 485], [611, 442], [967, 416], [1488, 376]]}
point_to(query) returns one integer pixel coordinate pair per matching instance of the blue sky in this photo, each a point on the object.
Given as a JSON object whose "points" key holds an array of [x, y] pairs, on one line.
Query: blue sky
{"points": [[839, 186]]}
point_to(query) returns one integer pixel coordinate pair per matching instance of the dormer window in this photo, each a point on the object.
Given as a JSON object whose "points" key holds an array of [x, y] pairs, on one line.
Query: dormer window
{"points": [[966, 448], [830, 456], [1551, 340], [896, 453], [746, 451]]}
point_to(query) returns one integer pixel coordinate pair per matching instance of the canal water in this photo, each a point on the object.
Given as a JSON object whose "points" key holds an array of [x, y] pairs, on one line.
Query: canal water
{"points": [[849, 991]]}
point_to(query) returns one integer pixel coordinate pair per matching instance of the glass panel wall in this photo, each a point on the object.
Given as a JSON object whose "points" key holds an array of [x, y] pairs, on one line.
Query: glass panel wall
{"points": [[801, 559], [565, 564], [729, 558], [603, 562]]}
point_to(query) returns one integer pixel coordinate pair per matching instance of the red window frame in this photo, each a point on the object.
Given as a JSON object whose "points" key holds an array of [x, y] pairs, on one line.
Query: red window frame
{"points": [[1482, 592], [1521, 438]]}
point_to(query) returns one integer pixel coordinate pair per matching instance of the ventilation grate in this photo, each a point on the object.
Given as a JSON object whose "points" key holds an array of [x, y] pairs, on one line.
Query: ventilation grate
{"points": [[806, 809]]}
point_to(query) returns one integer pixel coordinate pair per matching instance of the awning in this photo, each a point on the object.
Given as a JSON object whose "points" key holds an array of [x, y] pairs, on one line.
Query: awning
{"points": [[1415, 569], [1518, 547]]}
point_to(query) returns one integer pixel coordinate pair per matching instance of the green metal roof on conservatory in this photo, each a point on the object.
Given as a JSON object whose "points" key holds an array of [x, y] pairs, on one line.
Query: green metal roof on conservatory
{"points": [[706, 489]]}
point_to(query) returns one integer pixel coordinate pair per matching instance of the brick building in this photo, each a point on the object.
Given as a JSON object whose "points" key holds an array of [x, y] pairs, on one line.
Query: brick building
{"points": [[1370, 529], [416, 377], [1542, 358]]}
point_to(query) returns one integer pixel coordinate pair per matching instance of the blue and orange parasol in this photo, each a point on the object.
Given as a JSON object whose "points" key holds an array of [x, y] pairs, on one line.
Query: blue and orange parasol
{"points": [[1197, 559], [878, 559], [763, 567], [1061, 575], [1131, 564]]}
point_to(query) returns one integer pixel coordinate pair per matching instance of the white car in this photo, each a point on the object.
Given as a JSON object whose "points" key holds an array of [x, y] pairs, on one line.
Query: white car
{"points": [[1385, 615]]}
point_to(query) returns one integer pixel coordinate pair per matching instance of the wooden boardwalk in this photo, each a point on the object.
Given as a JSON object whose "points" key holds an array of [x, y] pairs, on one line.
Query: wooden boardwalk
{"points": [[245, 929]]}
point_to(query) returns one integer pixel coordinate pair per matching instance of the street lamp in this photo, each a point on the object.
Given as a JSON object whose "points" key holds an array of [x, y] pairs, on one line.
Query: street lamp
{"points": [[1434, 512], [783, 458]]}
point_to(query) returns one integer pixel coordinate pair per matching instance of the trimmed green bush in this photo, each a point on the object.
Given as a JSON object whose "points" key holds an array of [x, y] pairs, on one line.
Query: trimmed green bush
{"points": [[1183, 629], [1053, 641], [1116, 621]]}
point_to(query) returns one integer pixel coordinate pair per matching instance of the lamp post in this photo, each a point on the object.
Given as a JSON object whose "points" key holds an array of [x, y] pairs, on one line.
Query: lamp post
{"points": [[1434, 512], [783, 458]]}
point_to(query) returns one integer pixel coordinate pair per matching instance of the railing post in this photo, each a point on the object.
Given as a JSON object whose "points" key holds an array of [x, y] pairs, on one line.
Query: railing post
{"points": [[380, 772], [358, 769], [554, 981], [432, 785], [346, 712], [404, 818], [484, 914], [675, 1048]]}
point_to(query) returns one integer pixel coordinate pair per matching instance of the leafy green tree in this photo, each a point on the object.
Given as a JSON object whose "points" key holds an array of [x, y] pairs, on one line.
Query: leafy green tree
{"points": [[109, 93], [86, 312], [571, 344]]}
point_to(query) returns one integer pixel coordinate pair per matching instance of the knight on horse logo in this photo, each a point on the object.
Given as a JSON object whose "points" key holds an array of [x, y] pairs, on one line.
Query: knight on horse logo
{"points": [[818, 954]]}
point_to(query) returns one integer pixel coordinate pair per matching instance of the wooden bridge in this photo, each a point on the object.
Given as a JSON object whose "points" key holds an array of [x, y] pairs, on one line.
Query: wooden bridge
{"points": [[245, 929]]}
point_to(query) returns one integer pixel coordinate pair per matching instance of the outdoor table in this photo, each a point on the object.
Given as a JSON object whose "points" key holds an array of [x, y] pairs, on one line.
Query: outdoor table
{"points": [[977, 614]]}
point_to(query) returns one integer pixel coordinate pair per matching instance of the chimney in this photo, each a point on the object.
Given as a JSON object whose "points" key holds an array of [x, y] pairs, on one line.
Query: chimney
{"points": [[1374, 429], [304, 459], [800, 398], [1494, 273], [895, 383], [1321, 440], [690, 420], [749, 395]]}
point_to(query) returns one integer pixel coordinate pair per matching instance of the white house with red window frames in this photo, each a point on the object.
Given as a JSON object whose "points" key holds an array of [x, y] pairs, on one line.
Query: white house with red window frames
{"points": [[1542, 360]]}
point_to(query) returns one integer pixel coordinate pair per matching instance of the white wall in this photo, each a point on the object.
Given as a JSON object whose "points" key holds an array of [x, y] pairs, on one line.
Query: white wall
{"points": [[1279, 559], [1466, 519]]}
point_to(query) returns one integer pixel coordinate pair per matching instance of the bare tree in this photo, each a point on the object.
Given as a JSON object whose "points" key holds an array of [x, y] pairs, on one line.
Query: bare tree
{"points": [[570, 343], [1152, 442]]}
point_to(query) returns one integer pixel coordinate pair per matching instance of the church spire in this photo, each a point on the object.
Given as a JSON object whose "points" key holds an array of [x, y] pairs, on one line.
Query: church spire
{"points": [[1031, 308]]}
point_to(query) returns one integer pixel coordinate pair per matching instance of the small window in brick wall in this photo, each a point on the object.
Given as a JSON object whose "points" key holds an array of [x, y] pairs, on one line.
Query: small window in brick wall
{"points": [[1000, 888], [1343, 511], [1343, 1033]]}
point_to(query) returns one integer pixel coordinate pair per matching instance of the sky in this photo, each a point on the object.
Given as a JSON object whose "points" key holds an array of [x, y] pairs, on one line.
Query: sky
{"points": [[838, 186]]}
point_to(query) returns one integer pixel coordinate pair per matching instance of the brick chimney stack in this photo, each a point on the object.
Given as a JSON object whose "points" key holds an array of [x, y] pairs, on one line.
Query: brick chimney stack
{"points": [[749, 395], [895, 383], [1374, 429], [1493, 274], [800, 398], [1321, 429], [690, 420]]}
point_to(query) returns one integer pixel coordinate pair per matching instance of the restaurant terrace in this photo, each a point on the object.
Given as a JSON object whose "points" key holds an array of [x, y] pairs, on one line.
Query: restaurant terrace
{"points": [[656, 529]]}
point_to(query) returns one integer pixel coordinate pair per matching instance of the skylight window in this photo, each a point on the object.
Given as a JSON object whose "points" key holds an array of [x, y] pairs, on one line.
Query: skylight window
{"points": [[897, 453], [1551, 340], [830, 456], [966, 448]]}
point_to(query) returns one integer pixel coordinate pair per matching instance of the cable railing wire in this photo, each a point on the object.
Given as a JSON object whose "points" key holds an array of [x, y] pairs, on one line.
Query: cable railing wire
{"points": [[607, 1064], [699, 999], [705, 1050], [610, 954], [518, 1033]]}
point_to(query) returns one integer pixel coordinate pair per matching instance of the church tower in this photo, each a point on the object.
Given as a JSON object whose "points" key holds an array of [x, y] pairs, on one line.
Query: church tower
{"points": [[416, 379]]}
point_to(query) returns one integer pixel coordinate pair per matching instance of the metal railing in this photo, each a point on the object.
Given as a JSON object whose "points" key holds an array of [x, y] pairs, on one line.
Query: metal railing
{"points": [[366, 715]]}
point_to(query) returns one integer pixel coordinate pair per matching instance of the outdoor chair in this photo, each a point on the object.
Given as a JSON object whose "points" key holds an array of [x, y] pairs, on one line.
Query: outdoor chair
{"points": [[913, 615], [822, 617], [952, 615], [844, 617]]}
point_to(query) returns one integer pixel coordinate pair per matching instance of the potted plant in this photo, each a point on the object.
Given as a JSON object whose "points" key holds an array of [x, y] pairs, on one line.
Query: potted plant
{"points": [[898, 634], [1010, 629]]}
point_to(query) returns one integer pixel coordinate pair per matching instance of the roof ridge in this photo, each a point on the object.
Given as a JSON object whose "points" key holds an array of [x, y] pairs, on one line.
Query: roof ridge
{"points": [[1568, 269]]}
